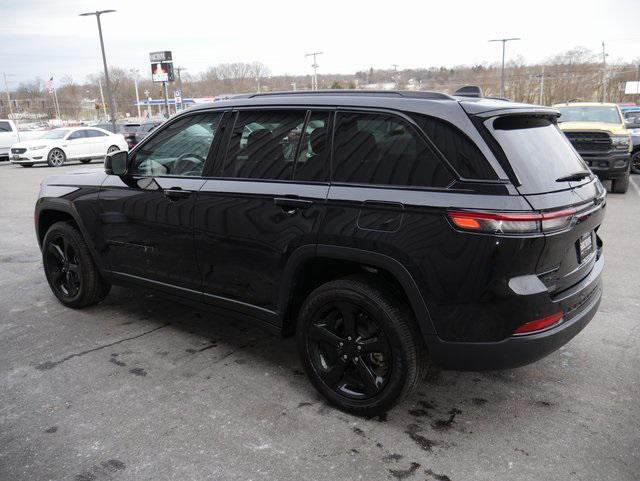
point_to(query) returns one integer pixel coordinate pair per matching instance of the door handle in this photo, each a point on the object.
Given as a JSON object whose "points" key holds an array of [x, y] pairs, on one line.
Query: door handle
{"points": [[291, 204], [176, 193]]}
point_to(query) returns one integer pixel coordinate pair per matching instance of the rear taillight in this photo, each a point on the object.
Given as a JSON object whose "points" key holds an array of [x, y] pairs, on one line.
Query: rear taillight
{"points": [[512, 222], [540, 324]]}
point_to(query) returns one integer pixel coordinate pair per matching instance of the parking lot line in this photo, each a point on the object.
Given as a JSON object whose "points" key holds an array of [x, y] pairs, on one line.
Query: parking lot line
{"points": [[635, 185]]}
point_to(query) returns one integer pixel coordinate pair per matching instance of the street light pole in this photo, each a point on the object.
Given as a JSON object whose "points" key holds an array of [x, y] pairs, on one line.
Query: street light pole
{"points": [[504, 43], [135, 83], [112, 110]]}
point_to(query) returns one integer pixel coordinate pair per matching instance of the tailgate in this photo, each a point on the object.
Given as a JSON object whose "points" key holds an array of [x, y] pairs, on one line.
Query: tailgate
{"points": [[569, 255]]}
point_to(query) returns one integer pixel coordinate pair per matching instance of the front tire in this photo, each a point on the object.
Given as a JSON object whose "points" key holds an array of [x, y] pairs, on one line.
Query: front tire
{"points": [[56, 158], [70, 270], [620, 186], [359, 345]]}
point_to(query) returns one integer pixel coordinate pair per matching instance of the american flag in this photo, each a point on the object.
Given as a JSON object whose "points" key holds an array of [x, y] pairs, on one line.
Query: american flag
{"points": [[49, 85]]}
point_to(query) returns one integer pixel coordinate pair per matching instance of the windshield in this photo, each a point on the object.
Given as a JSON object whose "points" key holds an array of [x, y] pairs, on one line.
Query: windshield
{"points": [[538, 152], [596, 113], [55, 134]]}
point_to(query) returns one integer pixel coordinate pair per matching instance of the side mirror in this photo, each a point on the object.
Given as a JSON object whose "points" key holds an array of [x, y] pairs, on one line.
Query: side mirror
{"points": [[117, 163]]}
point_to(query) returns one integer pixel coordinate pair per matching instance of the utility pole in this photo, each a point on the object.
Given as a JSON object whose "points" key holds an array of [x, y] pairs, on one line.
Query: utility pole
{"points": [[135, 83], [179, 70], [541, 77], [112, 109], [504, 43], [6, 88], [395, 74], [605, 80], [314, 81]]}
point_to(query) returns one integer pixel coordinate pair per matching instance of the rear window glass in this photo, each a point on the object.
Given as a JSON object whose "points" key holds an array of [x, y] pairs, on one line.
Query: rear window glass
{"points": [[459, 150], [538, 152], [5, 127]]}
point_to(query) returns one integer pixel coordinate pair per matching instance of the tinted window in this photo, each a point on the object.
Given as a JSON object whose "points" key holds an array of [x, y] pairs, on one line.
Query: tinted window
{"points": [[5, 127], [263, 144], [181, 148], [78, 134], [459, 150], [537, 150], [313, 156], [384, 149], [95, 133]]}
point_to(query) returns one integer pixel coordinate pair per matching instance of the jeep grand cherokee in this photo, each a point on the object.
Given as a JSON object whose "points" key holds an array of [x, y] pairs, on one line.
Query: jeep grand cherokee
{"points": [[385, 230]]}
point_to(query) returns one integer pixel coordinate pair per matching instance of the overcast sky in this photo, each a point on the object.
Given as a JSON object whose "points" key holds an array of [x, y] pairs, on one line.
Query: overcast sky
{"points": [[44, 38]]}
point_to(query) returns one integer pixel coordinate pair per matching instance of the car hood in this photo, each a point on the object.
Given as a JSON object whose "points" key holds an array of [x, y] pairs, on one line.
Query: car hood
{"points": [[33, 142], [605, 127], [93, 177]]}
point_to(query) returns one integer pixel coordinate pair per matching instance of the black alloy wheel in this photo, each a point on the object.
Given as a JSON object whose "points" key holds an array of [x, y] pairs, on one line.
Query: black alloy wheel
{"points": [[349, 350], [69, 267], [63, 266], [359, 345]]}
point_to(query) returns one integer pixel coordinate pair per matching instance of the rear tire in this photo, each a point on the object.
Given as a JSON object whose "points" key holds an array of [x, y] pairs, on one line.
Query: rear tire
{"points": [[69, 267], [620, 186], [374, 368]]}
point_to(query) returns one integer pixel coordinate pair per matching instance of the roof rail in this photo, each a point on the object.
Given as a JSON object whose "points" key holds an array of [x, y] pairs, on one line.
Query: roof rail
{"points": [[418, 94]]}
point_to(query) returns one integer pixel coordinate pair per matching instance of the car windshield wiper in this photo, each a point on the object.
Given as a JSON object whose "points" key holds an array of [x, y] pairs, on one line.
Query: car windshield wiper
{"points": [[574, 176]]}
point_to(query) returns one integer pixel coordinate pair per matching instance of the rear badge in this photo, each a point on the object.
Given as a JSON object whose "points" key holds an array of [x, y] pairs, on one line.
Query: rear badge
{"points": [[585, 246]]}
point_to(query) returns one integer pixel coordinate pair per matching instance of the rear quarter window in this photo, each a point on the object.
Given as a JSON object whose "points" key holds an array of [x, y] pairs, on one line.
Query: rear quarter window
{"points": [[459, 150]]}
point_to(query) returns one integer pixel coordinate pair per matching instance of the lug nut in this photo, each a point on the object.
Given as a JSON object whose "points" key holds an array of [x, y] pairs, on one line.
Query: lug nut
{"points": [[355, 359], [344, 357], [359, 348], [340, 344], [349, 338]]}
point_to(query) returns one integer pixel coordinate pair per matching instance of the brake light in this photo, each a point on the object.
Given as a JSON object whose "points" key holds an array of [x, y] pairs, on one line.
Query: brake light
{"points": [[540, 324], [512, 222]]}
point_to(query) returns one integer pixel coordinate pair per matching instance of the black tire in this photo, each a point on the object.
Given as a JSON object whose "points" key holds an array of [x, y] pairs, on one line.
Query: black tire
{"points": [[112, 149], [56, 157], [69, 268], [395, 369], [635, 162], [26, 165], [86, 161], [620, 186]]}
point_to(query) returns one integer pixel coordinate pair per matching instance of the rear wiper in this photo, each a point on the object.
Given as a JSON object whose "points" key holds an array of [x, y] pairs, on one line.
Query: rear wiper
{"points": [[575, 176]]}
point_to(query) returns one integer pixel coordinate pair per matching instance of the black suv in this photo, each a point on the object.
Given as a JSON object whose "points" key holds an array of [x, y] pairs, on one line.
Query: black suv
{"points": [[385, 230]]}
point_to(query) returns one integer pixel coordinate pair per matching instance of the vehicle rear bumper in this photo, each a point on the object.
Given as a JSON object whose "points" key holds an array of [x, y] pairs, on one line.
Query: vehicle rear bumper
{"points": [[611, 165], [580, 303]]}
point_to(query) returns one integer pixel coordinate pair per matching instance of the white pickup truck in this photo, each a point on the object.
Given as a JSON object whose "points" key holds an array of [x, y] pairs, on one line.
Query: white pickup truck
{"points": [[9, 135]]}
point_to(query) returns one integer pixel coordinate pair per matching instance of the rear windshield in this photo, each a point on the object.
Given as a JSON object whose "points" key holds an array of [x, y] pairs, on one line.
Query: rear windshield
{"points": [[588, 113], [538, 152]]}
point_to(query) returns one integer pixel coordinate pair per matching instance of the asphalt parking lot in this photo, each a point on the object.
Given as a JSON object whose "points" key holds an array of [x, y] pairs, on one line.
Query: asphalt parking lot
{"points": [[140, 388]]}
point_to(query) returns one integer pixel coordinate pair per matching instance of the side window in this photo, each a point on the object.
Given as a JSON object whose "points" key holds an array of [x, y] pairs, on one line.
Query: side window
{"points": [[263, 144], [313, 158], [5, 127], [384, 149], [179, 149], [78, 134], [459, 150], [95, 133]]}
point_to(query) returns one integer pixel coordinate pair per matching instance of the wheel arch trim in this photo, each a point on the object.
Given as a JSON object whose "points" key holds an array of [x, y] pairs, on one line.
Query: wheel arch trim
{"points": [[365, 257]]}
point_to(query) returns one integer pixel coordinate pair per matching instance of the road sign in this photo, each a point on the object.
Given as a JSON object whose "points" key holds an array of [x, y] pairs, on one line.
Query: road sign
{"points": [[164, 56], [177, 96]]}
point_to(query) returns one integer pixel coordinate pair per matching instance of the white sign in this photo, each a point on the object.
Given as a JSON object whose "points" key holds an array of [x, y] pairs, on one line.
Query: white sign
{"points": [[632, 88], [177, 96]]}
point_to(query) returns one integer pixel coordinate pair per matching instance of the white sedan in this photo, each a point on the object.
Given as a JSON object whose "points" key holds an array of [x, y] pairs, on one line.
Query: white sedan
{"points": [[60, 145]]}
